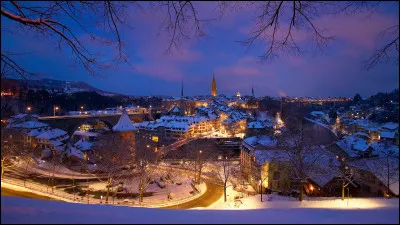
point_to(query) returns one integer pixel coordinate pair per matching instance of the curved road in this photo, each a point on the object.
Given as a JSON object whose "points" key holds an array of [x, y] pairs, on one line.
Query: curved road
{"points": [[212, 194], [13, 193]]}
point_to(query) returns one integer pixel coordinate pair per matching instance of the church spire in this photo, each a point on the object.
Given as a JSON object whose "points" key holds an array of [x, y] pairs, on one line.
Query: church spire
{"points": [[182, 88], [252, 90], [213, 87]]}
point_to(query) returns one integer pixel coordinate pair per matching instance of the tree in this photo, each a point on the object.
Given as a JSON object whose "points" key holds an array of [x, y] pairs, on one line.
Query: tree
{"points": [[53, 164], [224, 169], [385, 165], [11, 147], [144, 160], [279, 24], [111, 153], [357, 98], [332, 114], [346, 175], [305, 156], [62, 21], [197, 156]]}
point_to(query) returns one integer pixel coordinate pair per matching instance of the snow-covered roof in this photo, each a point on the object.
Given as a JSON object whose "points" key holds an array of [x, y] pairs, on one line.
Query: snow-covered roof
{"points": [[317, 113], [173, 123], [124, 123], [352, 144], [270, 156], [60, 148], [345, 145], [362, 123], [360, 145], [361, 134], [372, 129], [72, 151], [52, 134], [30, 125], [381, 150], [84, 145], [390, 126], [56, 143], [389, 135], [323, 178], [259, 124], [174, 109], [36, 132], [263, 140], [86, 133], [255, 124], [19, 116], [376, 166]]}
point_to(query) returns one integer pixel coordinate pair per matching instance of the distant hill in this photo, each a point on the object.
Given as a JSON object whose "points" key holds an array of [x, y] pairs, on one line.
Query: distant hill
{"points": [[56, 86]]}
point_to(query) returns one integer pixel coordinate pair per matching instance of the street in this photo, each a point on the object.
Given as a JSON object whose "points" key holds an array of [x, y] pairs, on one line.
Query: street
{"points": [[14, 193], [212, 194]]}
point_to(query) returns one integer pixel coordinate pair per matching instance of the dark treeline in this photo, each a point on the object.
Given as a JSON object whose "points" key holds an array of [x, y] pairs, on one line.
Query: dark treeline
{"points": [[42, 102]]}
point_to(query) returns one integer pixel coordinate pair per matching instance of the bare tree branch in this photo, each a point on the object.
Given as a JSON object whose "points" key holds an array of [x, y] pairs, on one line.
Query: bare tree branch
{"points": [[49, 20]]}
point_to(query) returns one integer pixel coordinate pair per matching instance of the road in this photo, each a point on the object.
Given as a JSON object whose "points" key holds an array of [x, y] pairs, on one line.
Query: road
{"points": [[212, 194], [14, 193]]}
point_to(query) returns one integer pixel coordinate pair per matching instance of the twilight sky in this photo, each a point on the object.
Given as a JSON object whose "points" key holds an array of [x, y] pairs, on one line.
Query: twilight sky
{"points": [[336, 73]]}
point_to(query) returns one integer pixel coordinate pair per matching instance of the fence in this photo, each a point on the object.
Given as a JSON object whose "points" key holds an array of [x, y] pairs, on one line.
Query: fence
{"points": [[58, 194]]}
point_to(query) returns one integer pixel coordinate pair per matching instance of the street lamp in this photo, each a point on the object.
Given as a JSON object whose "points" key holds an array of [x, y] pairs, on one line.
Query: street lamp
{"points": [[29, 109], [54, 110], [81, 107]]}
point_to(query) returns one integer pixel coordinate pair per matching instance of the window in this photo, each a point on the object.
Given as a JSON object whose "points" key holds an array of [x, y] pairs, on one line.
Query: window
{"points": [[276, 175]]}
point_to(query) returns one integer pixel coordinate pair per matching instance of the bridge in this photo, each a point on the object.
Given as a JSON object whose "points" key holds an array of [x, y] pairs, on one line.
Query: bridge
{"points": [[70, 123]]}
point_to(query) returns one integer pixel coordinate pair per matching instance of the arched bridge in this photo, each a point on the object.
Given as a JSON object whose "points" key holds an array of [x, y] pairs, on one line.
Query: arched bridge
{"points": [[70, 123]]}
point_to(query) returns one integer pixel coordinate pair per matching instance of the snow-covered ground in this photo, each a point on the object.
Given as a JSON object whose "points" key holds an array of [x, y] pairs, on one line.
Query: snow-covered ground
{"points": [[280, 202], [181, 190], [160, 195], [22, 210]]}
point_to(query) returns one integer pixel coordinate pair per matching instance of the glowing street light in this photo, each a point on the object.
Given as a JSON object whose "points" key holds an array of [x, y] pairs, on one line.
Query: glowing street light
{"points": [[312, 189], [54, 110], [28, 108]]}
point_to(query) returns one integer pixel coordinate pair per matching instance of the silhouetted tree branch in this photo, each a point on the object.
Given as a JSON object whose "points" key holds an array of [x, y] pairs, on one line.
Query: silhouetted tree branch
{"points": [[182, 22], [57, 19]]}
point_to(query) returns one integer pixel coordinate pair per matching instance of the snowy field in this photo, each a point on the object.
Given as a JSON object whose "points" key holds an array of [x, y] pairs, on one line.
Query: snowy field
{"points": [[22, 210]]}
